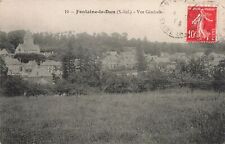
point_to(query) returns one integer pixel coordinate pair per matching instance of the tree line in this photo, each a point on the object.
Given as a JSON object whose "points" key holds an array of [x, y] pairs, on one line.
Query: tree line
{"points": [[101, 42]]}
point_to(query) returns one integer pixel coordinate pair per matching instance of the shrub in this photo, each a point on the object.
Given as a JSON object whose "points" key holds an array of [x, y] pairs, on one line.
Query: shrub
{"points": [[219, 77], [195, 73], [14, 86], [37, 89], [156, 79], [25, 58], [114, 83], [65, 87]]}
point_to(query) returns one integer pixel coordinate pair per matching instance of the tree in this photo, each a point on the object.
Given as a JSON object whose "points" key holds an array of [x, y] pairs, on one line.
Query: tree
{"points": [[80, 66], [16, 37], [3, 72], [3, 68], [15, 86], [25, 58], [4, 42], [196, 73], [68, 62], [219, 77], [141, 62]]}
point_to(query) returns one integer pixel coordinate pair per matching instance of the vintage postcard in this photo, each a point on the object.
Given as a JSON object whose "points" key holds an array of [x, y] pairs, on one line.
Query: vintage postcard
{"points": [[112, 71]]}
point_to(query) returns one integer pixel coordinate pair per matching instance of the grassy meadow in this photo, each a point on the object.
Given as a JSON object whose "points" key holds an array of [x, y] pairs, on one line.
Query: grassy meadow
{"points": [[173, 116]]}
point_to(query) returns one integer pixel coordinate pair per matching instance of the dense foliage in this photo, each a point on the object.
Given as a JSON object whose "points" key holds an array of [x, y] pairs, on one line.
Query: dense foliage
{"points": [[25, 58]]}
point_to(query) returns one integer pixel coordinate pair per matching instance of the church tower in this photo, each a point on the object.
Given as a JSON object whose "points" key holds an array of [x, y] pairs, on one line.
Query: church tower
{"points": [[28, 45]]}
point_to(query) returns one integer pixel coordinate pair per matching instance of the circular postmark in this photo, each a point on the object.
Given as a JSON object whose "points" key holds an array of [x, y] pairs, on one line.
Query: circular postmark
{"points": [[173, 20]]}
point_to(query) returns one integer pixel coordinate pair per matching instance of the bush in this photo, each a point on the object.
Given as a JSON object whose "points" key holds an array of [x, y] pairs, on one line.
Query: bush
{"points": [[16, 86], [219, 77], [117, 85], [25, 58], [64, 87], [156, 79], [113, 83], [37, 89]]}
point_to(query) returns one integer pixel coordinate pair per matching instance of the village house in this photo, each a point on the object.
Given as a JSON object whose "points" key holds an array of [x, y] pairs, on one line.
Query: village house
{"points": [[51, 65], [215, 58], [162, 62], [128, 59], [14, 66], [119, 61], [42, 73], [198, 55], [4, 53], [179, 56], [110, 60]]}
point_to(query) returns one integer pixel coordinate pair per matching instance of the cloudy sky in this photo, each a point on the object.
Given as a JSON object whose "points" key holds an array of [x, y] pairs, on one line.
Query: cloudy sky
{"points": [[49, 15]]}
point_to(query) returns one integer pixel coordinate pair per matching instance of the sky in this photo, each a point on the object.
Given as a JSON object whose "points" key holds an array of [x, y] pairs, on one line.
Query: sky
{"points": [[49, 16]]}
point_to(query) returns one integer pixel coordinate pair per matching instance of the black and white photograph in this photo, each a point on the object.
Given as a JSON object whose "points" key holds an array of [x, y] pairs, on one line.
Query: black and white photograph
{"points": [[112, 72]]}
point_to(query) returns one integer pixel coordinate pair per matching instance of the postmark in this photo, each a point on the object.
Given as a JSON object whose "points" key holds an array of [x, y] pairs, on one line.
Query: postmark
{"points": [[174, 18], [201, 24]]}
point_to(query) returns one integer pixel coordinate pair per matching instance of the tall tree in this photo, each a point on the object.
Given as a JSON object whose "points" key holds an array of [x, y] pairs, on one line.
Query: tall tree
{"points": [[3, 71], [219, 77], [141, 62], [3, 67], [69, 61], [16, 37]]}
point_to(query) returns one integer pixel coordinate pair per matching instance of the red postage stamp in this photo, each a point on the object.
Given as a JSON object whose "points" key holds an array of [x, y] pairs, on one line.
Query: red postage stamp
{"points": [[201, 24]]}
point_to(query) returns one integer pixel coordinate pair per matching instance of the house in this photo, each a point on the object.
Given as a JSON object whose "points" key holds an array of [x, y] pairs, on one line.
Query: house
{"points": [[117, 61], [178, 56], [198, 55], [127, 58], [4, 53], [42, 73], [28, 45], [14, 66], [110, 60], [215, 58], [39, 75], [51, 65]]}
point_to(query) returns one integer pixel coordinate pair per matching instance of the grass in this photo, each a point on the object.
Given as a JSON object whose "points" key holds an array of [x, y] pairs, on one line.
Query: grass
{"points": [[158, 117]]}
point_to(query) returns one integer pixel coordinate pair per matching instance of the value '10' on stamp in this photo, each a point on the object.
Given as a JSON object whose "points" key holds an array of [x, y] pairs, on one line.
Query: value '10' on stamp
{"points": [[201, 24]]}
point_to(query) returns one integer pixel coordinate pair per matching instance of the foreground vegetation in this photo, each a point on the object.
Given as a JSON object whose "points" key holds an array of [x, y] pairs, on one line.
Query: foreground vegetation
{"points": [[169, 116]]}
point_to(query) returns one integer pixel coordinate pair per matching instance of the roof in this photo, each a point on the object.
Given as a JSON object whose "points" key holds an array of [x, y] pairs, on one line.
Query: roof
{"points": [[3, 52], [213, 54]]}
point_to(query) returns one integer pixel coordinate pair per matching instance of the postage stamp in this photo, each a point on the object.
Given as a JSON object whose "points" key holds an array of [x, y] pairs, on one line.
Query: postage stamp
{"points": [[201, 24]]}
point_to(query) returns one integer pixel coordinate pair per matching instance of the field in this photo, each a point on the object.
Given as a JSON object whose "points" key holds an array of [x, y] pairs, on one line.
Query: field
{"points": [[174, 116]]}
